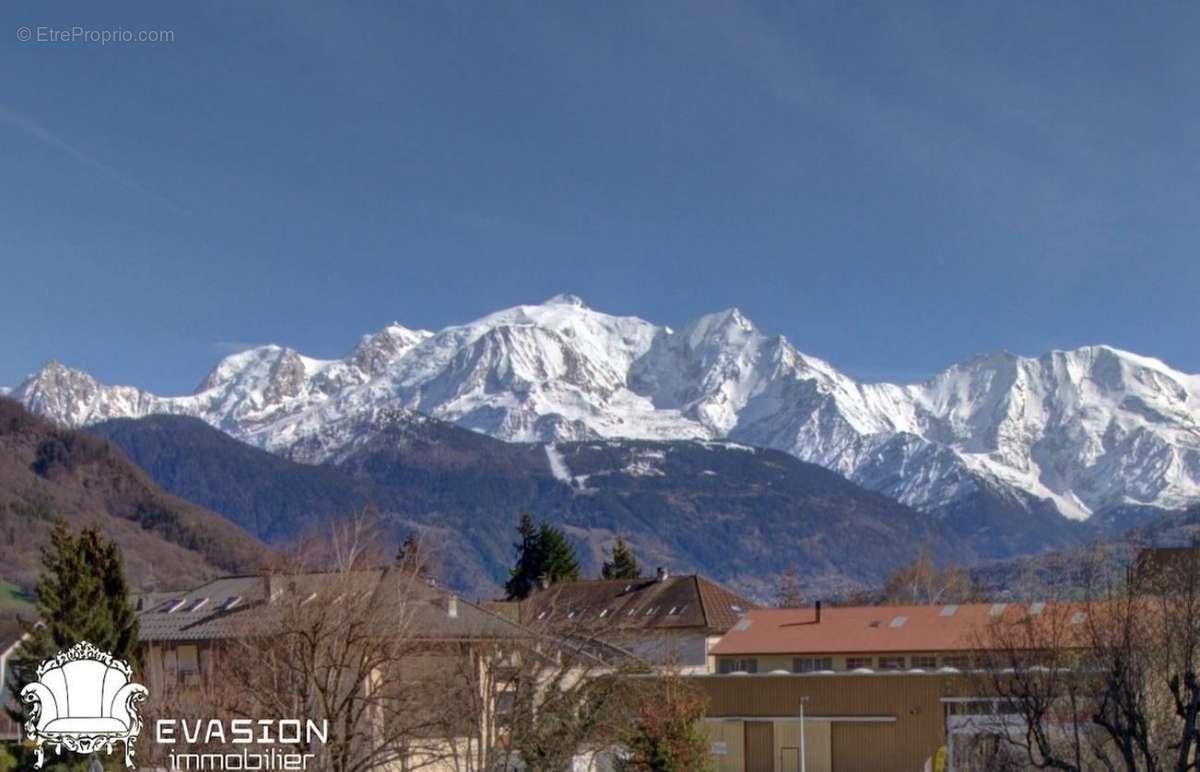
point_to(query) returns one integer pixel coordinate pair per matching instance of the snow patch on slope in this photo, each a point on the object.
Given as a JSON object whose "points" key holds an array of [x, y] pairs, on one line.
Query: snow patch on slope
{"points": [[558, 464]]}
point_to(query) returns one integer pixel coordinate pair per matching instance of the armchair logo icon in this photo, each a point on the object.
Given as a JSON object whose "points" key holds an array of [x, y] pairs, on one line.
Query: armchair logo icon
{"points": [[83, 700]]}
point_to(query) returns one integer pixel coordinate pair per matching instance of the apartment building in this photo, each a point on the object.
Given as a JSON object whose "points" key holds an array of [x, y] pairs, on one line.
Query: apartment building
{"points": [[844, 689], [672, 621], [445, 644]]}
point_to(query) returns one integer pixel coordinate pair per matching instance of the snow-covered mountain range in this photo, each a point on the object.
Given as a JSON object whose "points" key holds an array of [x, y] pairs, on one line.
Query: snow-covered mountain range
{"points": [[1088, 430]]}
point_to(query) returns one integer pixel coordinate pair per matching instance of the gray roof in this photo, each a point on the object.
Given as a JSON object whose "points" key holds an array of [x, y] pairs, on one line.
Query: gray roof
{"points": [[237, 606]]}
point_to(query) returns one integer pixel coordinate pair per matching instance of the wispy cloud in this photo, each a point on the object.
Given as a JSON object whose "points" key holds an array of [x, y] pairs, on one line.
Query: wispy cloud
{"points": [[33, 129]]}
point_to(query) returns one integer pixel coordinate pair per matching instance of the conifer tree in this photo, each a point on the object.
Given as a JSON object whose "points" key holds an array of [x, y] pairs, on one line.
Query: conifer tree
{"points": [[622, 564], [543, 554], [523, 577], [559, 563], [81, 595]]}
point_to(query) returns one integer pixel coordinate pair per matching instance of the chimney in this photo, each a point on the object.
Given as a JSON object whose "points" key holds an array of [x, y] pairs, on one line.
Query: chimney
{"points": [[663, 574], [452, 607], [817, 606], [543, 583]]}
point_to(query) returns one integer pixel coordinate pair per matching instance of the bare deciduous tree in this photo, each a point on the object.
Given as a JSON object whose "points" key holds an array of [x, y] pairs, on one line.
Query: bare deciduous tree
{"points": [[1107, 680], [923, 583]]}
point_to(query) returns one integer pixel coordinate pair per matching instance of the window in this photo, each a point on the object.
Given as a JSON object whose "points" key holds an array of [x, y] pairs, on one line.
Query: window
{"points": [[604, 613], [676, 610], [891, 663], [652, 611], [188, 659], [958, 662], [505, 702], [898, 622], [858, 663], [811, 664], [738, 666], [925, 662]]}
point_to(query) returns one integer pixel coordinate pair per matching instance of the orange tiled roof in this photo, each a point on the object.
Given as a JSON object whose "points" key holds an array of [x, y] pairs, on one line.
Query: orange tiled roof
{"points": [[866, 629]]}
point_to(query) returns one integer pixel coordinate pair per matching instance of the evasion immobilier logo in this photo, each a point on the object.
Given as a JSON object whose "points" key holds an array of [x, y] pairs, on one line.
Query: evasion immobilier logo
{"points": [[84, 701]]}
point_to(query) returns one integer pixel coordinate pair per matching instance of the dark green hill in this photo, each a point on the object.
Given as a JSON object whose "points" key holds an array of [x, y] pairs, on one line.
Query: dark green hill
{"points": [[269, 496], [738, 514]]}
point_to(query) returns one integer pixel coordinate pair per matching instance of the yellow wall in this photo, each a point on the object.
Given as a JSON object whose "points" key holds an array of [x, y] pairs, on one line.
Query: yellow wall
{"points": [[732, 734], [817, 744], [874, 722]]}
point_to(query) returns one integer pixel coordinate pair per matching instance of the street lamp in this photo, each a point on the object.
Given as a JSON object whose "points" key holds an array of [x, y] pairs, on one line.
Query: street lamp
{"points": [[802, 760]]}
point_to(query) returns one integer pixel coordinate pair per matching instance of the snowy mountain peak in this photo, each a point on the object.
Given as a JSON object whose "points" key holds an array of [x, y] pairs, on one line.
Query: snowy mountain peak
{"points": [[728, 327], [375, 352], [1086, 429], [565, 299]]}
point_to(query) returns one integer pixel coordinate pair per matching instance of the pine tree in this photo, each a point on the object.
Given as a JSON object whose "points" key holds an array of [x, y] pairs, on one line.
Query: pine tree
{"points": [[622, 564], [559, 563], [543, 554], [81, 595], [523, 577]]}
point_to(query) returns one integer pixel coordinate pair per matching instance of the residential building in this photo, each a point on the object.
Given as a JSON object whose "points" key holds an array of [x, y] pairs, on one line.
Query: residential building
{"points": [[667, 620], [862, 688], [447, 643]]}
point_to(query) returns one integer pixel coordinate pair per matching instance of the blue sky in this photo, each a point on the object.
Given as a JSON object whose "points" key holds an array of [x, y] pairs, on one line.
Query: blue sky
{"points": [[892, 188]]}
